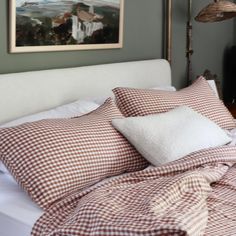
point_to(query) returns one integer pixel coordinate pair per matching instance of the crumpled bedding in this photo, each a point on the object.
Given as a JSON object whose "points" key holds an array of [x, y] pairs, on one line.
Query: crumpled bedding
{"points": [[191, 196]]}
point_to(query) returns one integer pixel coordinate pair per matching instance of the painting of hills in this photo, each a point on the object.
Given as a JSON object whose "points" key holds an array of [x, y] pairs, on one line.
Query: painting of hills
{"points": [[67, 22]]}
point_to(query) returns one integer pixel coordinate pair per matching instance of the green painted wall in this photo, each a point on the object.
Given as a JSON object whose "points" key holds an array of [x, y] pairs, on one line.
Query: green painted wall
{"points": [[143, 39]]}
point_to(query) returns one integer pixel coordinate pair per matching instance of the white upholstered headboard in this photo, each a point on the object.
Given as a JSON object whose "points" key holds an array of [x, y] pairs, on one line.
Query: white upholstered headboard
{"points": [[30, 92]]}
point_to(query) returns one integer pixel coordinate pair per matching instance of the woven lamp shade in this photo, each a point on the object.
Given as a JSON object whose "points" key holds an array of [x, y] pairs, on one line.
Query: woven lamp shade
{"points": [[217, 11]]}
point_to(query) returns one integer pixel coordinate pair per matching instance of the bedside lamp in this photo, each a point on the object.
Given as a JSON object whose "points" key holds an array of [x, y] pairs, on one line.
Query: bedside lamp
{"points": [[219, 10]]}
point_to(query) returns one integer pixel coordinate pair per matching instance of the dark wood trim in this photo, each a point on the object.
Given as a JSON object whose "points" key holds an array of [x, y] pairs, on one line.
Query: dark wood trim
{"points": [[169, 9]]}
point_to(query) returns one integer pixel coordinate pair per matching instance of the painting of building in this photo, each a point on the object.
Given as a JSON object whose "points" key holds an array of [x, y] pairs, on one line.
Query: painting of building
{"points": [[44, 25]]}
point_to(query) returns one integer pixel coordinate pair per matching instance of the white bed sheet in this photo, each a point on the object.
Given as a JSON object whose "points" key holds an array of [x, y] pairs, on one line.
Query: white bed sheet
{"points": [[17, 212]]}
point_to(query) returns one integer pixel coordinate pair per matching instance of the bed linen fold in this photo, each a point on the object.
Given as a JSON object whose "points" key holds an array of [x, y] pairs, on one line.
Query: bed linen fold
{"points": [[178, 198]]}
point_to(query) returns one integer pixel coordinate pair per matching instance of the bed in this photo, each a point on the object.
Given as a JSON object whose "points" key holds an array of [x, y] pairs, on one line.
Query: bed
{"points": [[23, 94]]}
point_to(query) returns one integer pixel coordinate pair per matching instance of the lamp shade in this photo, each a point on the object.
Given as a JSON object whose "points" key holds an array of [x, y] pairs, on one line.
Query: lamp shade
{"points": [[217, 11]]}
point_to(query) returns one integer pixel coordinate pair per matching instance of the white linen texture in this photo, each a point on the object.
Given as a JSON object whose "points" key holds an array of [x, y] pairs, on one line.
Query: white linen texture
{"points": [[69, 110], [169, 136]]}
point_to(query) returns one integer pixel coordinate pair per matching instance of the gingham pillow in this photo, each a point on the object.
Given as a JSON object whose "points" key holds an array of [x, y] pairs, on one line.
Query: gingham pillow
{"points": [[198, 96], [51, 158]]}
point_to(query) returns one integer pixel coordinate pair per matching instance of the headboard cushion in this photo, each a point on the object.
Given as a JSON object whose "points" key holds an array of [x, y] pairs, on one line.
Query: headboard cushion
{"points": [[30, 92]]}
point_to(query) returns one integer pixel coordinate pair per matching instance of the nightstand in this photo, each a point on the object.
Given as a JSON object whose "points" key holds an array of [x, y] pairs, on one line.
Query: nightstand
{"points": [[232, 108]]}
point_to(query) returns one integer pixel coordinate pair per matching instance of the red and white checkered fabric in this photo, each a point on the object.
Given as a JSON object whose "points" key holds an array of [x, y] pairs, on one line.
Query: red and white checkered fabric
{"points": [[199, 96], [52, 158], [175, 199]]}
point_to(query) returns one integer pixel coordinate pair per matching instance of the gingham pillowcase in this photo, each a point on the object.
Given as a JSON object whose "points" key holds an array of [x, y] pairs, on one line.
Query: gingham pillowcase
{"points": [[51, 158], [198, 96]]}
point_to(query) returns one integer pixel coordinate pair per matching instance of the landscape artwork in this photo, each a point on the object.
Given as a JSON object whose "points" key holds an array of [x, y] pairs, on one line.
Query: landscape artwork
{"points": [[58, 25]]}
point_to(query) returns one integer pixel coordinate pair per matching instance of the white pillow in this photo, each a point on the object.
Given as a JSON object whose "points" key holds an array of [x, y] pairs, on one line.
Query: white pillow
{"points": [[101, 99], [3, 169], [169, 136], [77, 108], [212, 84], [165, 88]]}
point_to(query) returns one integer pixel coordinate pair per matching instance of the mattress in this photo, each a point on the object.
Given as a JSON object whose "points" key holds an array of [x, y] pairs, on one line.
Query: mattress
{"points": [[17, 212]]}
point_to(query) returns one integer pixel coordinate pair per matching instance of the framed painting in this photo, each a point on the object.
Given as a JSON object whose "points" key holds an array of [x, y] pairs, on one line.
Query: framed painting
{"points": [[61, 25]]}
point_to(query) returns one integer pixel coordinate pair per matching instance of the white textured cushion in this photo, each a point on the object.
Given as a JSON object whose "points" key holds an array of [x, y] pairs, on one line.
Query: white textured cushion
{"points": [[77, 108], [166, 137]]}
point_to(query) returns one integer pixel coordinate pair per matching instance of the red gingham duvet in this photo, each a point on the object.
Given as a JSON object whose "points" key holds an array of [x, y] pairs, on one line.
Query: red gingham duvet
{"points": [[192, 196]]}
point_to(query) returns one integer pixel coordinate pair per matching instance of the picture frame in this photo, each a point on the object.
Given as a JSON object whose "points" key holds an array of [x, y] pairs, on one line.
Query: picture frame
{"points": [[57, 25]]}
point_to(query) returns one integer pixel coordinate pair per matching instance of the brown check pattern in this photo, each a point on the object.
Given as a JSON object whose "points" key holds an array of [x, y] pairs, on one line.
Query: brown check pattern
{"points": [[52, 158], [199, 96], [192, 196]]}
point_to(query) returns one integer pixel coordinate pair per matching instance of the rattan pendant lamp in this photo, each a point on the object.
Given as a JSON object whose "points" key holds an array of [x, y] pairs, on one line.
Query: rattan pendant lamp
{"points": [[219, 10]]}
